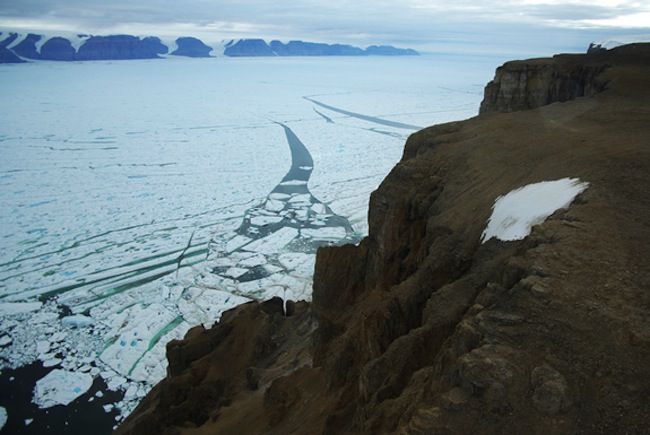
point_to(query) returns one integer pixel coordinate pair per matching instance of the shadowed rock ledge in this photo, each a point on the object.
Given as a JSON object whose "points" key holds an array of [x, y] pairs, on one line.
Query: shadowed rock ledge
{"points": [[421, 329]]}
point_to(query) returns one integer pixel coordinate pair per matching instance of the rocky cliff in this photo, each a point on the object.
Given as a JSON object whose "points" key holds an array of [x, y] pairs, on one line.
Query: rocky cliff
{"points": [[424, 329], [522, 85]]}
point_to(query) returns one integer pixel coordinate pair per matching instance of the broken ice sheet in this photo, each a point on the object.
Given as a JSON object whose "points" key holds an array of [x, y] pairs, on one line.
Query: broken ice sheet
{"points": [[11, 308], [60, 387], [136, 330]]}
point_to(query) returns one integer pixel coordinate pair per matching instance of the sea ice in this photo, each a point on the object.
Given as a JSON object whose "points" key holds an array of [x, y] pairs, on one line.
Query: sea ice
{"points": [[3, 417], [10, 308], [52, 362], [255, 260], [265, 220], [77, 321], [293, 183], [292, 260], [42, 347], [274, 205], [60, 387], [274, 242], [235, 272], [319, 208], [329, 234], [236, 243], [5, 340], [136, 332], [514, 214]]}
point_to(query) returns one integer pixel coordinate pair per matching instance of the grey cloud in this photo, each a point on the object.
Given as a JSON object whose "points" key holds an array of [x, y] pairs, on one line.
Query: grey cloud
{"points": [[426, 23]]}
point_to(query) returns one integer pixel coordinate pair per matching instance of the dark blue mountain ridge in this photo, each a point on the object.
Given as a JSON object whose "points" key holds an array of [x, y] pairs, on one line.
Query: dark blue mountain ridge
{"points": [[248, 47], [191, 47], [259, 47], [27, 47], [15, 48], [119, 47]]}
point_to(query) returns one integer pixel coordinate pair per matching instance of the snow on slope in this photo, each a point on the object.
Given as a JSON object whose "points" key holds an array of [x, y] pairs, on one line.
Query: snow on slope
{"points": [[514, 214]]}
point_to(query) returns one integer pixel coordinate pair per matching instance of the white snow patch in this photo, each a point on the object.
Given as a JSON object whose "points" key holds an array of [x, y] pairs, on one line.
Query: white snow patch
{"points": [[77, 41], [622, 40], [514, 214], [60, 387], [20, 38]]}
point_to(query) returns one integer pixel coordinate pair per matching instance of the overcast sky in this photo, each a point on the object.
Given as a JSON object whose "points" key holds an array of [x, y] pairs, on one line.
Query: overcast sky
{"points": [[507, 26]]}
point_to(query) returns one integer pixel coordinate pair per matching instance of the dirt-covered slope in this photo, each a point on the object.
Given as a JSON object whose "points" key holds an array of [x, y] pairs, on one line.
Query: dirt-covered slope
{"points": [[421, 329]]}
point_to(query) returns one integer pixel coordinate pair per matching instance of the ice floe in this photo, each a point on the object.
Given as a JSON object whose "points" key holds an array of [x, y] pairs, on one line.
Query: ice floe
{"points": [[11, 308], [77, 321], [514, 214], [60, 387], [3, 417]]}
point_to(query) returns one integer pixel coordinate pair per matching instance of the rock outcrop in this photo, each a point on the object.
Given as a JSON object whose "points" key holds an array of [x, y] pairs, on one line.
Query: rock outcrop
{"points": [[423, 329], [58, 48], [27, 47], [191, 47], [120, 47], [523, 85], [6, 55], [248, 47]]}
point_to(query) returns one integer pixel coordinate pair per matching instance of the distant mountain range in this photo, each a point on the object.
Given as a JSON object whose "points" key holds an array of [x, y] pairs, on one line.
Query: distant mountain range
{"points": [[259, 47], [18, 48]]}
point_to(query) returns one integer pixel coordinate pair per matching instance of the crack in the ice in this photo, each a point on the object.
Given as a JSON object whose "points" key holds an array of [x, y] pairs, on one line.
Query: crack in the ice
{"points": [[180, 257], [363, 117]]}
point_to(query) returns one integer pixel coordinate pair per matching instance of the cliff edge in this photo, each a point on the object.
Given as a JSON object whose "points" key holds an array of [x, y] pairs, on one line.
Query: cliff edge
{"points": [[423, 328]]}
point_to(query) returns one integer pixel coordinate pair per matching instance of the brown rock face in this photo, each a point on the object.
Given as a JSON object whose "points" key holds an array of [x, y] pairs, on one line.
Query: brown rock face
{"points": [[421, 329], [523, 85]]}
